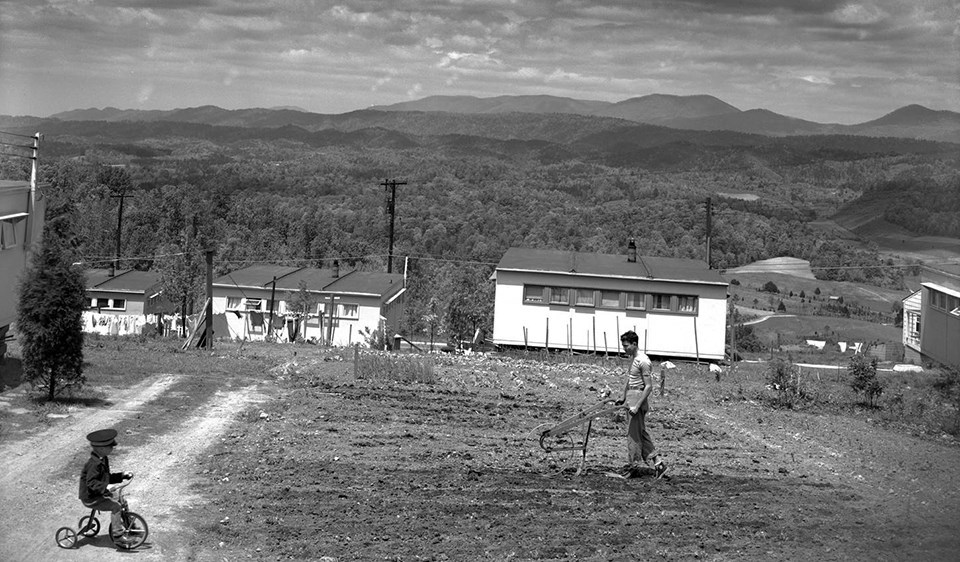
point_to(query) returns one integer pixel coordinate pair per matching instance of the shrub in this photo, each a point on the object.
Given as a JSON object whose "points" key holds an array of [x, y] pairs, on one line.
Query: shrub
{"points": [[784, 379], [770, 287], [864, 378]]}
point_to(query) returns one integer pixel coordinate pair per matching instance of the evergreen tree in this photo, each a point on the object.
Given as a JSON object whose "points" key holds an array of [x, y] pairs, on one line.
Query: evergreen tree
{"points": [[50, 312]]}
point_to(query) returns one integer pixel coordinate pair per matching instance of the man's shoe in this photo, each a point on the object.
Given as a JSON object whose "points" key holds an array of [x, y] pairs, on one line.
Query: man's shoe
{"points": [[661, 468]]}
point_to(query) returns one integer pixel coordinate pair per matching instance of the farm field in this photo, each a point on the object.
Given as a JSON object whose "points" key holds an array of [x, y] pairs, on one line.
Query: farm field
{"points": [[263, 453]]}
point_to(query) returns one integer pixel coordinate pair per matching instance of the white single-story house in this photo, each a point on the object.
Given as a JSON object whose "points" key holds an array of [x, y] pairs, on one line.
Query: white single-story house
{"points": [[122, 302], [583, 301], [912, 304], [940, 314], [344, 309]]}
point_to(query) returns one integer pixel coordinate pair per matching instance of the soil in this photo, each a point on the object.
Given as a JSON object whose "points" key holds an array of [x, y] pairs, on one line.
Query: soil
{"points": [[309, 462]]}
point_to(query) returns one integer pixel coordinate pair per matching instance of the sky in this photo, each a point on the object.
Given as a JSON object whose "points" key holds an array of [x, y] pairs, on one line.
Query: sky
{"points": [[830, 61]]}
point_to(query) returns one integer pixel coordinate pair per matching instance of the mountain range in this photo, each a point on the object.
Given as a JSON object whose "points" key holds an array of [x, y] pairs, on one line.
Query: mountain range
{"points": [[426, 116]]}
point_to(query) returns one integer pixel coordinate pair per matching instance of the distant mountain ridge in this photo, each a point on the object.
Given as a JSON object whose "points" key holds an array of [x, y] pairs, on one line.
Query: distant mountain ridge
{"points": [[473, 115], [701, 113]]}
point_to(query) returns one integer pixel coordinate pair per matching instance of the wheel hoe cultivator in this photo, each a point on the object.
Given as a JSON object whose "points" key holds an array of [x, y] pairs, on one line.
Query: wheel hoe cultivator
{"points": [[555, 439]]}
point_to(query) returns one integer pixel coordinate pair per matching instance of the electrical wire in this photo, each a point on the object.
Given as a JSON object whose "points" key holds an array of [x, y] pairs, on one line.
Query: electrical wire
{"points": [[758, 268]]}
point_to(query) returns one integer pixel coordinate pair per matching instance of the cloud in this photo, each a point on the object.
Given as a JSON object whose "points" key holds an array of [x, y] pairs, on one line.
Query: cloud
{"points": [[748, 52], [821, 80]]}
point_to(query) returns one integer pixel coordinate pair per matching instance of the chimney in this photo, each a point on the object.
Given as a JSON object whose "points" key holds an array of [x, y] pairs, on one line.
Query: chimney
{"points": [[632, 251], [336, 268]]}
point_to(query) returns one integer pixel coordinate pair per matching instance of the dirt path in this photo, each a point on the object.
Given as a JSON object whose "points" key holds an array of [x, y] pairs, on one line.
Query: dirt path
{"points": [[39, 482]]}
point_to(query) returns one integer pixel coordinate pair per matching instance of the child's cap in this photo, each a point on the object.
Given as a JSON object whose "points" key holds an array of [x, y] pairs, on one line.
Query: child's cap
{"points": [[103, 438]]}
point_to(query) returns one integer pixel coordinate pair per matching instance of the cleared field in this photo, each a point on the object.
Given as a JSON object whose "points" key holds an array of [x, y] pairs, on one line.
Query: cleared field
{"points": [[795, 267]]}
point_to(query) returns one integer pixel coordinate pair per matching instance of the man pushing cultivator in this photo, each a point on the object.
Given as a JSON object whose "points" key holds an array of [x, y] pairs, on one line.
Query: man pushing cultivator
{"points": [[640, 448], [636, 392]]}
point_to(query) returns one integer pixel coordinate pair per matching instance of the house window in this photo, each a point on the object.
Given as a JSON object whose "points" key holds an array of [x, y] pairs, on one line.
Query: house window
{"points": [[559, 295], [913, 325], [8, 231], [586, 297], [533, 294], [349, 311], [253, 304], [108, 304], [687, 303], [660, 301], [233, 302], [637, 301], [953, 305], [610, 299]]}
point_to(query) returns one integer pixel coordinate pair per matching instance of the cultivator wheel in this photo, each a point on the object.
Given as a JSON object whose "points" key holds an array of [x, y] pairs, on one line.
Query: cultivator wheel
{"points": [[556, 452]]}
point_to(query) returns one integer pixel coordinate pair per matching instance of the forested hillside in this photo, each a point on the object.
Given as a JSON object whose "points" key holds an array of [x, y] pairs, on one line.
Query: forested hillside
{"points": [[295, 196]]}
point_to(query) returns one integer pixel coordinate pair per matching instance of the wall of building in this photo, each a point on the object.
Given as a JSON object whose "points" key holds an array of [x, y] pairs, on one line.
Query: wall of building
{"points": [[598, 329], [911, 327], [15, 198], [244, 324], [132, 302], [940, 331]]}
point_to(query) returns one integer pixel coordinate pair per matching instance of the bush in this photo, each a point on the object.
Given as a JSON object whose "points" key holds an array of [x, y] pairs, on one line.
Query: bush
{"points": [[865, 381], [770, 287], [784, 379]]}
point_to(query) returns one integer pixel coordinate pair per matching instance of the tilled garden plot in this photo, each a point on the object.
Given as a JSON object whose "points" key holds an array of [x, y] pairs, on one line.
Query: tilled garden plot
{"points": [[347, 469]]}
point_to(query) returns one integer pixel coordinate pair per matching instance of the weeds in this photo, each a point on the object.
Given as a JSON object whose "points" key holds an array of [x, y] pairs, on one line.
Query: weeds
{"points": [[784, 379], [386, 367]]}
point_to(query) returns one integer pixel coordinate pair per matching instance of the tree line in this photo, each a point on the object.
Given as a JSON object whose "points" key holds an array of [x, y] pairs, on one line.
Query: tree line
{"points": [[280, 202]]}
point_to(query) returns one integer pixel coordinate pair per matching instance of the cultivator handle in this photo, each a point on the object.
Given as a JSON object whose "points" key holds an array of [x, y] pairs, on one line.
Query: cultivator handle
{"points": [[585, 416]]}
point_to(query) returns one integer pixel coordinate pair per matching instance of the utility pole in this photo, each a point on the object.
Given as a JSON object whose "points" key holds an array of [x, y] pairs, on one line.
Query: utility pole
{"points": [[116, 262], [273, 295], [209, 308], [709, 228], [392, 210]]}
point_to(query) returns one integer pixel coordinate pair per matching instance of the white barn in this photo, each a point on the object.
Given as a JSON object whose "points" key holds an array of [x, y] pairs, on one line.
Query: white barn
{"points": [[584, 301]]}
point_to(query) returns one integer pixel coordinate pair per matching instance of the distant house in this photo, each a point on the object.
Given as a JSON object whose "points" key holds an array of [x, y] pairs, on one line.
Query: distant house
{"points": [[344, 309], [122, 302], [940, 314], [911, 326], [21, 226], [584, 301]]}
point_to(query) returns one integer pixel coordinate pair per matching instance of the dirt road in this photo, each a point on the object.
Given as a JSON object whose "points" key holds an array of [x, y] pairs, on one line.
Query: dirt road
{"points": [[38, 476]]}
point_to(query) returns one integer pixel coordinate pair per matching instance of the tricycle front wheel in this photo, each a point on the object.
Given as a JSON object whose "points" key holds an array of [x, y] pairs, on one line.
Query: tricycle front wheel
{"points": [[135, 533]]}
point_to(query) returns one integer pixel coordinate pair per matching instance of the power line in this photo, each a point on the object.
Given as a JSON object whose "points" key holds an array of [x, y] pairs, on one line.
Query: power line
{"points": [[272, 260]]}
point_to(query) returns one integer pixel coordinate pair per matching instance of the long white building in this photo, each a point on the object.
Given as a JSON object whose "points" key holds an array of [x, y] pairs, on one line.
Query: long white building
{"points": [[584, 301]]}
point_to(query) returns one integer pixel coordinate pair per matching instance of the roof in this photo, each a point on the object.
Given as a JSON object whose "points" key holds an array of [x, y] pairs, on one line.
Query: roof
{"points": [[8, 184], [315, 279], [129, 281], [255, 276], [367, 283], [942, 289], [609, 265]]}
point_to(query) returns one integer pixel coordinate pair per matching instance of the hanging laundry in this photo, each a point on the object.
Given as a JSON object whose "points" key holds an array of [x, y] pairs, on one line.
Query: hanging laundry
{"points": [[256, 319]]}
